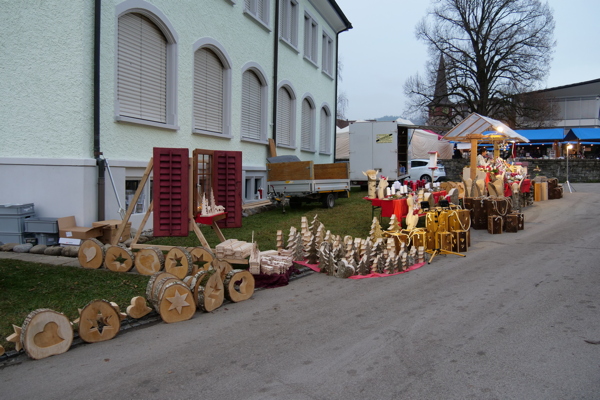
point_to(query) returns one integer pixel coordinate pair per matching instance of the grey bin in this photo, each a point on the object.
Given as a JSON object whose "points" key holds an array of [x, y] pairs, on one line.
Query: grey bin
{"points": [[13, 224], [41, 225], [15, 237], [16, 209]]}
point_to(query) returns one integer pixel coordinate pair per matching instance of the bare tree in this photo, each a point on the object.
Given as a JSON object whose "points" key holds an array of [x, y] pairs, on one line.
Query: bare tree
{"points": [[492, 50]]}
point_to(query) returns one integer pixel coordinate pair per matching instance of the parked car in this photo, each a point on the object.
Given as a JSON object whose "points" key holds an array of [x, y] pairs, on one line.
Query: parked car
{"points": [[418, 170]]}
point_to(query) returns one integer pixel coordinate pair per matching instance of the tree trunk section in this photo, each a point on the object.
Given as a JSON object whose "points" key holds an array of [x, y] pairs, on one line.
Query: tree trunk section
{"points": [[118, 259], [98, 321], [201, 259], [46, 333], [153, 281], [176, 303], [239, 285], [179, 262], [91, 254], [149, 261], [210, 292]]}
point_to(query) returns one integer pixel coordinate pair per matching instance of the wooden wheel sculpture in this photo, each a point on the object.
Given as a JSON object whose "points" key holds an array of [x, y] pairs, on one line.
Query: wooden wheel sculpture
{"points": [[46, 333], [201, 259], [210, 291], [118, 259], [179, 262], [175, 302], [149, 261], [91, 254], [98, 321], [239, 285]]}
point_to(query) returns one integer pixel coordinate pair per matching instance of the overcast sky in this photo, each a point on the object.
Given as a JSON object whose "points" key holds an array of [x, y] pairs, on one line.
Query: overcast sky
{"points": [[381, 52]]}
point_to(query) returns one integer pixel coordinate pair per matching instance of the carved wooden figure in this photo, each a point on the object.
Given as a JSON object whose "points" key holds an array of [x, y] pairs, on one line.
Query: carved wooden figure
{"points": [[381, 189], [371, 183]]}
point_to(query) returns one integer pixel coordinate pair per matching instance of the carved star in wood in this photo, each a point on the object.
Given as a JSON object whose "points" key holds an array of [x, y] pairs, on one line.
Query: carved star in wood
{"points": [[178, 301], [215, 292], [16, 338]]}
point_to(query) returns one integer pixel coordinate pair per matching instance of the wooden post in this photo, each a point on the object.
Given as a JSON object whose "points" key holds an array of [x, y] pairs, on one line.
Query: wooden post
{"points": [[473, 158]]}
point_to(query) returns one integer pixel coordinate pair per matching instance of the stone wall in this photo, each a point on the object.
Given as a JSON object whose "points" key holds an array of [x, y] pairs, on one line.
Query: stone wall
{"points": [[579, 170]]}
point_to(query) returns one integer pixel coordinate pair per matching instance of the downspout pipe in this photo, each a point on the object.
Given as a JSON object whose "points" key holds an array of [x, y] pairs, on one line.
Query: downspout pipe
{"points": [[275, 70], [97, 151]]}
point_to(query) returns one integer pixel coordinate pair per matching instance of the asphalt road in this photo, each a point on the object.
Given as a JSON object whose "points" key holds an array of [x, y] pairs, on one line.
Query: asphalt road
{"points": [[509, 321]]}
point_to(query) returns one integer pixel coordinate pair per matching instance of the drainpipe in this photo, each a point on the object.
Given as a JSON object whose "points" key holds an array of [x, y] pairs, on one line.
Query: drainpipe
{"points": [[97, 153], [275, 70]]}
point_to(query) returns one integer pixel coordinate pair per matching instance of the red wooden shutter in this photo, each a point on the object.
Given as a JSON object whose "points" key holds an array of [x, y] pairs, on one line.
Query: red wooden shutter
{"points": [[227, 186], [171, 192]]}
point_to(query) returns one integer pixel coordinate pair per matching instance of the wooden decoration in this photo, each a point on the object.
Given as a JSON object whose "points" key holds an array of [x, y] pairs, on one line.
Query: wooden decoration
{"points": [[158, 289], [16, 338], [121, 315], [197, 280], [91, 254], [239, 285], [495, 224], [98, 321], [222, 267], [210, 292], [154, 279], [179, 262], [176, 302], [149, 261], [138, 307], [118, 259], [201, 259], [46, 333]]}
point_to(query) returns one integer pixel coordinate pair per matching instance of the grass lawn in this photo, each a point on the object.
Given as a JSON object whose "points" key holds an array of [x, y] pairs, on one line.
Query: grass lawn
{"points": [[25, 287]]}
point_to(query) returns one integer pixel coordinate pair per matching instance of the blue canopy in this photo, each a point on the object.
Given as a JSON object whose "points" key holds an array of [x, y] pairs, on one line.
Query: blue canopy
{"points": [[542, 134], [589, 134]]}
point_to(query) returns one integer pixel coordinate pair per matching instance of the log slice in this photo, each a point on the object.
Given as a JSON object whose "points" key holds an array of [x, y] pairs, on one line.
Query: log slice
{"points": [[178, 262], [91, 254], [201, 259], [210, 292], [176, 303], [118, 259], [149, 261], [98, 321], [239, 285], [46, 333]]}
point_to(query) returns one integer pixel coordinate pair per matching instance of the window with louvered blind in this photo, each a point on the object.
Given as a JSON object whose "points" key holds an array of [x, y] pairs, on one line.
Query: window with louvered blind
{"points": [[327, 55], [208, 91], [142, 69], [253, 107], [307, 133], [289, 22], [311, 38], [285, 118], [258, 9], [325, 131]]}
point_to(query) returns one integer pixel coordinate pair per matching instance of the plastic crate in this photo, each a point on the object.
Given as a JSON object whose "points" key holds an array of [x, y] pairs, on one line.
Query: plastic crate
{"points": [[41, 225], [47, 239], [16, 209], [13, 224], [14, 237]]}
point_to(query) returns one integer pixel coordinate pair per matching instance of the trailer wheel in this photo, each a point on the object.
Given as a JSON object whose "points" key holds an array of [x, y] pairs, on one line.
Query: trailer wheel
{"points": [[328, 200]]}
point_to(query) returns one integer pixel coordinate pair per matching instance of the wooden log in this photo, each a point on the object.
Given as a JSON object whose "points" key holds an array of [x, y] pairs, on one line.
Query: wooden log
{"points": [[158, 289], [46, 333], [239, 285], [98, 321], [91, 254], [176, 303], [138, 307], [195, 284], [222, 267], [118, 259], [201, 259], [211, 292], [152, 282], [149, 261], [179, 262]]}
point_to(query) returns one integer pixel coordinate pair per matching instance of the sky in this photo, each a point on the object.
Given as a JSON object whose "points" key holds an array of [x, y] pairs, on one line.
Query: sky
{"points": [[381, 51]]}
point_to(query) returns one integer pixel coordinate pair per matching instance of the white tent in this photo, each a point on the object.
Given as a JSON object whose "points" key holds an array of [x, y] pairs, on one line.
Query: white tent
{"points": [[422, 142], [342, 143]]}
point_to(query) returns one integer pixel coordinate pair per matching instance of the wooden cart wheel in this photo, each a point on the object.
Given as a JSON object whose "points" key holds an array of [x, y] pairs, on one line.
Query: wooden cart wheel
{"points": [[239, 285], [176, 303], [118, 259], [149, 261], [46, 333], [222, 267], [201, 259], [98, 321], [152, 281], [91, 254], [179, 262], [210, 292]]}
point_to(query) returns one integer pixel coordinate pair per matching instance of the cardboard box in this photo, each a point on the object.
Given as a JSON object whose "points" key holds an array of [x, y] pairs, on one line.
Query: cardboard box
{"points": [[110, 228], [67, 228]]}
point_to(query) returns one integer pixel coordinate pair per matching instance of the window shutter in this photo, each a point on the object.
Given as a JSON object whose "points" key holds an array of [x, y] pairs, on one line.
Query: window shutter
{"points": [[208, 91], [142, 69], [284, 118], [227, 185], [324, 139], [251, 106], [306, 125]]}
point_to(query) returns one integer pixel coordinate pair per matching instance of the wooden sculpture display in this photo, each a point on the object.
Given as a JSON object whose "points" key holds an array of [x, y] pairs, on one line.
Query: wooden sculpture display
{"points": [[46, 333], [371, 183], [91, 254], [149, 260], [98, 321]]}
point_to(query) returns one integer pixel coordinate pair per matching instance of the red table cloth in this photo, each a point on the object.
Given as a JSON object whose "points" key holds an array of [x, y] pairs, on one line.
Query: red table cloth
{"points": [[399, 207]]}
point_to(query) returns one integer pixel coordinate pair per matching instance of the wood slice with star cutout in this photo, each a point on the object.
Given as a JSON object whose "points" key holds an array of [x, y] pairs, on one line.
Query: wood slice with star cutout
{"points": [[149, 261], [222, 267], [201, 259], [98, 321], [46, 333], [91, 254], [239, 285], [153, 281], [210, 291], [176, 303], [179, 262], [118, 259]]}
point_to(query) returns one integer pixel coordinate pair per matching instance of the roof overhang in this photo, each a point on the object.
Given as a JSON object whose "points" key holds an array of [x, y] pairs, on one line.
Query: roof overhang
{"points": [[483, 129], [332, 12]]}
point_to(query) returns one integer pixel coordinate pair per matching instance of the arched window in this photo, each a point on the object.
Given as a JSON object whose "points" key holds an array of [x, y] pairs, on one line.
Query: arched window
{"points": [[208, 91], [307, 132], [254, 106], [325, 131], [285, 117]]}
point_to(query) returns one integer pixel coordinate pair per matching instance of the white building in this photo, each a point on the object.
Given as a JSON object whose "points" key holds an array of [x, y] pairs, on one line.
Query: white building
{"points": [[87, 80]]}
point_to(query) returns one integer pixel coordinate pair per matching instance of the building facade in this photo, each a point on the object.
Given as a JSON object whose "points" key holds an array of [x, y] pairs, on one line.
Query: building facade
{"points": [[92, 83]]}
